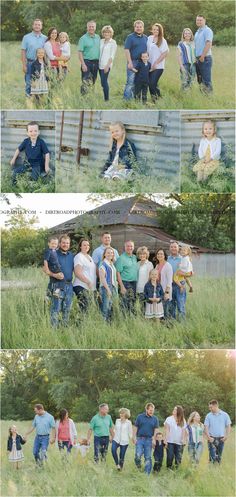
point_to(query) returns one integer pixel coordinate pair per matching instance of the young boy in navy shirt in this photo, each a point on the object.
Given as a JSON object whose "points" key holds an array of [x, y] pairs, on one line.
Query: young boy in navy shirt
{"points": [[158, 452], [141, 80], [36, 152]]}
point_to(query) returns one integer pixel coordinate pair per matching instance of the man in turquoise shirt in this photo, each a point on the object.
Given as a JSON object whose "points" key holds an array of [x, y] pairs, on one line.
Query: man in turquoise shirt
{"points": [[217, 428], [89, 52], [102, 427], [43, 423], [127, 276], [30, 43]]}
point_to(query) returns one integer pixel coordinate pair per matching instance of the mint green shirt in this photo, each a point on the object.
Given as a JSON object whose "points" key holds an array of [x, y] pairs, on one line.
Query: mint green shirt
{"points": [[90, 46], [127, 266], [101, 425]]}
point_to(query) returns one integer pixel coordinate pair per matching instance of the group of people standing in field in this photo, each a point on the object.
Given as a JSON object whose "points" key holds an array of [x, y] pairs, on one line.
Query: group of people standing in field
{"points": [[159, 292], [46, 58], [145, 434]]}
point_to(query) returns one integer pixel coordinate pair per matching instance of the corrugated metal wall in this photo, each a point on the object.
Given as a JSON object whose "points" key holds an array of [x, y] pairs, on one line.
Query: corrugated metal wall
{"points": [[191, 127], [214, 265], [156, 136], [13, 129]]}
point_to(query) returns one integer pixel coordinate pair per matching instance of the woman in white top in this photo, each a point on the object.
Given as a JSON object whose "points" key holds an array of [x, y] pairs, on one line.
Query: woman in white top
{"points": [[157, 49], [108, 48], [85, 275], [123, 432], [175, 436], [166, 278], [209, 152], [144, 268]]}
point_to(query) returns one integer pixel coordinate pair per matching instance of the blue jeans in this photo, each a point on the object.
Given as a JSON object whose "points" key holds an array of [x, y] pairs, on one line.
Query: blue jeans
{"points": [[215, 450], [28, 77], [61, 303], [123, 449], [40, 447], [187, 75], [204, 73], [174, 452], [104, 83], [154, 77], [195, 451], [178, 301], [129, 87], [167, 308], [144, 447], [89, 77], [63, 444], [100, 448], [128, 300], [35, 172], [106, 302]]}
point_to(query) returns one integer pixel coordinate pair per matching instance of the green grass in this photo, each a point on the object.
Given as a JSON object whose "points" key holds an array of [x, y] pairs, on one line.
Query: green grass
{"points": [[26, 323], [221, 181], [24, 182], [73, 178], [81, 477], [68, 96]]}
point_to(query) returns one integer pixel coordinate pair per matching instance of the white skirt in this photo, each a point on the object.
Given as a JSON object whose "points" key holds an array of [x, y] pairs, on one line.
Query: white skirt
{"points": [[117, 172], [154, 310], [15, 455]]}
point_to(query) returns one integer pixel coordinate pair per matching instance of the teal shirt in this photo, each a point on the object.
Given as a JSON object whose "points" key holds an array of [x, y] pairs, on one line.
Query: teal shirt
{"points": [[43, 424], [101, 425], [90, 46], [128, 267]]}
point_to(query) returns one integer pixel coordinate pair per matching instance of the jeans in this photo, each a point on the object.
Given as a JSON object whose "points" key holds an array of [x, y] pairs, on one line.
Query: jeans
{"points": [[140, 90], [128, 300], [174, 451], [123, 449], [178, 301], [204, 73], [106, 302], [195, 451], [144, 447], [154, 77], [65, 443], [89, 77], [215, 450], [167, 308], [104, 83], [100, 447], [35, 172], [61, 303], [187, 75], [41, 443], [129, 87], [28, 77]]}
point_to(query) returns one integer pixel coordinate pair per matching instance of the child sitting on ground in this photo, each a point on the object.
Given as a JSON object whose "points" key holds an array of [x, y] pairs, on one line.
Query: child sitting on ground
{"points": [[37, 154], [122, 156], [51, 263], [209, 152], [185, 269], [158, 452], [141, 80], [153, 294]]}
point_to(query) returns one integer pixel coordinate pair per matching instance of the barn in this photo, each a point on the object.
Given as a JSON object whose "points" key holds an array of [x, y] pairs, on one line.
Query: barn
{"points": [[83, 137], [136, 218]]}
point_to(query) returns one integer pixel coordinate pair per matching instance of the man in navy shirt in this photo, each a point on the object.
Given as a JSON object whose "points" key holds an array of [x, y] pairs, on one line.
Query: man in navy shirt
{"points": [[135, 45], [145, 431], [61, 301], [36, 152]]}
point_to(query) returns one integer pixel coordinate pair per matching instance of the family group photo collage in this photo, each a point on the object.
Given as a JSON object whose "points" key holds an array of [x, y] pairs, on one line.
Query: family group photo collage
{"points": [[118, 248]]}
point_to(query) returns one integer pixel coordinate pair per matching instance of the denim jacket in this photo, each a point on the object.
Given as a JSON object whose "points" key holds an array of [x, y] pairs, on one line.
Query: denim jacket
{"points": [[36, 68], [149, 291], [19, 442], [127, 155]]}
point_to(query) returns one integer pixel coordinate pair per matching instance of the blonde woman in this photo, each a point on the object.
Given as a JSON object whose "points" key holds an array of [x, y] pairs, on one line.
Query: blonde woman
{"points": [[144, 268], [195, 431], [108, 283], [157, 49], [186, 58], [108, 48], [121, 157], [123, 432]]}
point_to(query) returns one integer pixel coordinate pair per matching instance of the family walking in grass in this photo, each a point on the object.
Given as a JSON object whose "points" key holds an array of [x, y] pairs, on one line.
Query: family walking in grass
{"points": [[157, 292], [45, 59], [145, 434]]}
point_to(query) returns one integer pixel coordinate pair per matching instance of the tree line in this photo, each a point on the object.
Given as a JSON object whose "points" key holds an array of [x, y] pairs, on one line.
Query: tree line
{"points": [[72, 16], [80, 380]]}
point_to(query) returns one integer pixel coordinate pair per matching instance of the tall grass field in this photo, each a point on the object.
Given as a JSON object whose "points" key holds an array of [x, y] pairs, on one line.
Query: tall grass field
{"points": [[67, 95], [26, 320], [81, 477]]}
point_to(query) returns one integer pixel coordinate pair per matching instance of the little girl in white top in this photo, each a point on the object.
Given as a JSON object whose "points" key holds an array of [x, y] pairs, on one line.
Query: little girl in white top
{"points": [[65, 51], [185, 268], [123, 432], [209, 152]]}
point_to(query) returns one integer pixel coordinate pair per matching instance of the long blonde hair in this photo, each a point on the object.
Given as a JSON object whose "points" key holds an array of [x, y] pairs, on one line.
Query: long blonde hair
{"points": [[187, 29], [191, 418], [122, 126]]}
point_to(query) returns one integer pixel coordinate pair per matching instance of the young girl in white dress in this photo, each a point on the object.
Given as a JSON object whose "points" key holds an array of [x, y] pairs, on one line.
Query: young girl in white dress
{"points": [[14, 443]]}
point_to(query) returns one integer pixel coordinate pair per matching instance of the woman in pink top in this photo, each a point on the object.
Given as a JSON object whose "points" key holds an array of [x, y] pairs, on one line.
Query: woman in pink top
{"points": [[53, 50], [66, 433]]}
